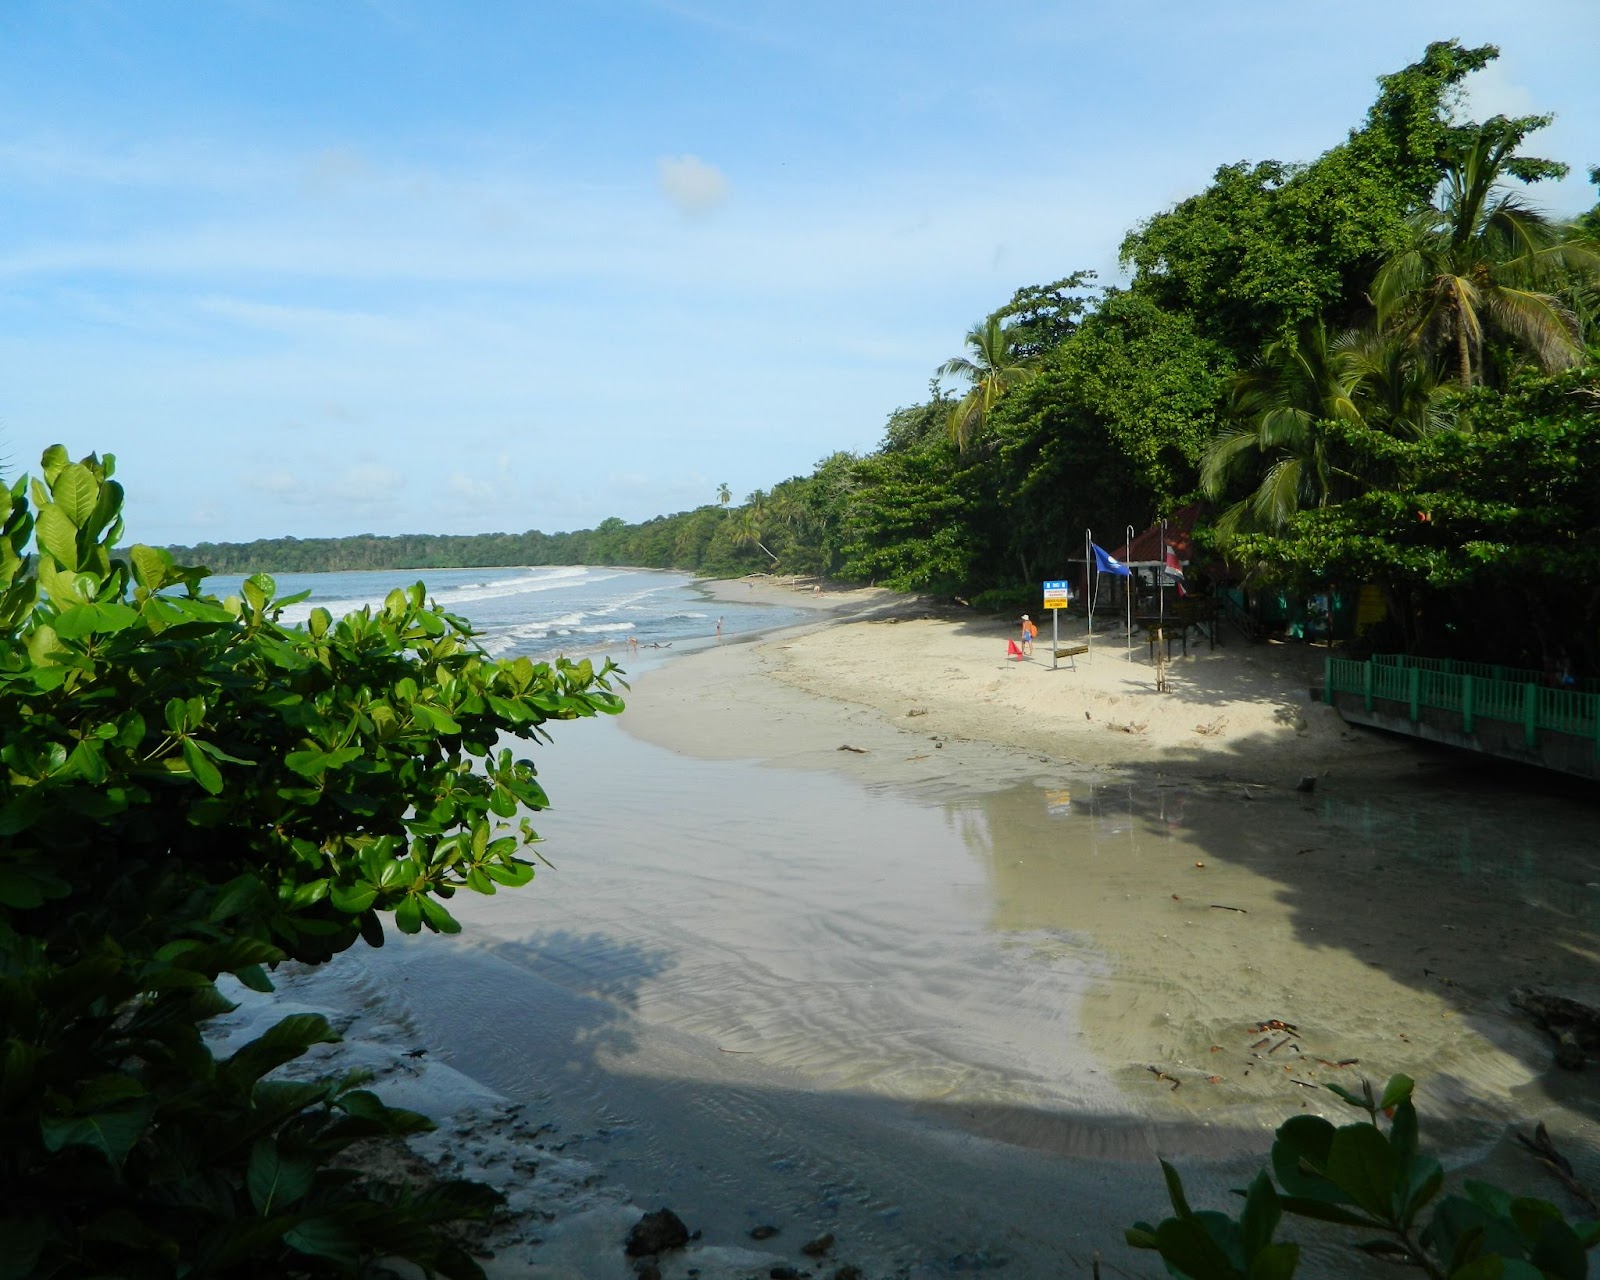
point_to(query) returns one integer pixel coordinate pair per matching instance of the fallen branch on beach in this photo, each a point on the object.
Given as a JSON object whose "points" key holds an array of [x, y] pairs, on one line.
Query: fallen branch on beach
{"points": [[860, 751], [1544, 1151], [1159, 1074]]}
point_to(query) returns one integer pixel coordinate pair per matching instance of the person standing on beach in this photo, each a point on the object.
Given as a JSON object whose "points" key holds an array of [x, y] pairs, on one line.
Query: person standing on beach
{"points": [[719, 630], [1029, 631]]}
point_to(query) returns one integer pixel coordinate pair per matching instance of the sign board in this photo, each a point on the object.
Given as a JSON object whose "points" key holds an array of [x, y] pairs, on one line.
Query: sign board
{"points": [[1056, 594]]}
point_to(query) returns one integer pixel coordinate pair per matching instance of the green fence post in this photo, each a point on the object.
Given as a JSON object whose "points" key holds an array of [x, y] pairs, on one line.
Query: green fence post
{"points": [[1530, 713], [1366, 683], [1414, 690], [1466, 704]]}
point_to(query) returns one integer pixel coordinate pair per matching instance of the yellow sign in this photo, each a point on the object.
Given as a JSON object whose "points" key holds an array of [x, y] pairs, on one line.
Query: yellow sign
{"points": [[1056, 601]]}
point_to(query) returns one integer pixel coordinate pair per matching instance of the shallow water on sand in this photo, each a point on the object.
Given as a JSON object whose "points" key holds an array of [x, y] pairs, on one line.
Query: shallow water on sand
{"points": [[788, 994]]}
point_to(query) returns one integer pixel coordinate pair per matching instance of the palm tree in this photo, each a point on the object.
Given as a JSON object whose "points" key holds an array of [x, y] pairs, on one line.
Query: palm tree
{"points": [[1482, 258], [724, 494], [747, 529], [1281, 405], [992, 371]]}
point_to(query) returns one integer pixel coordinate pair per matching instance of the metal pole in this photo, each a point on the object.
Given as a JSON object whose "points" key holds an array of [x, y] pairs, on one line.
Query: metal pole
{"points": [[1055, 638], [1161, 577], [1090, 577], [1127, 591]]}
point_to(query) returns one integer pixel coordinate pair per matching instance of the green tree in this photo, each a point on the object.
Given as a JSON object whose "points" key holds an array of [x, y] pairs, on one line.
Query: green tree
{"points": [[1482, 259], [993, 369], [1497, 522], [1281, 405], [1270, 246], [193, 789], [1041, 317]]}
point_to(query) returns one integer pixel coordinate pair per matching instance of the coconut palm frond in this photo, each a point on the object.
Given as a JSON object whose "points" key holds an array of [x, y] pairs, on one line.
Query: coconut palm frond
{"points": [[965, 414], [1278, 495], [1542, 323], [1228, 452], [960, 367]]}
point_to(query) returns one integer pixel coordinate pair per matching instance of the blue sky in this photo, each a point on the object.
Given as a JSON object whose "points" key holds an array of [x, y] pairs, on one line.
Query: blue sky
{"points": [[327, 268]]}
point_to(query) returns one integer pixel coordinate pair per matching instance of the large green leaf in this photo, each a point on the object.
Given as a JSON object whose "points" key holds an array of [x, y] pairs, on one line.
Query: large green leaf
{"points": [[150, 566], [276, 1181], [1186, 1244], [57, 536], [112, 1132], [1362, 1164], [205, 772], [286, 1040], [75, 492], [1300, 1154], [1275, 1262], [325, 1237]]}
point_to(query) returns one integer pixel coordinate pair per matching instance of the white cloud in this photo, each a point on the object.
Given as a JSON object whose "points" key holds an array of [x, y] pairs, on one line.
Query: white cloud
{"points": [[694, 187]]}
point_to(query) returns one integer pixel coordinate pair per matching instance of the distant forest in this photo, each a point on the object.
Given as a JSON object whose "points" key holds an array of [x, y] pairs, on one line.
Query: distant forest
{"points": [[1380, 366]]}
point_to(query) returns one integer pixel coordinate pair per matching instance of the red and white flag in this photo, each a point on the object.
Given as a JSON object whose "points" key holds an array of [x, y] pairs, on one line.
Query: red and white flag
{"points": [[1175, 570]]}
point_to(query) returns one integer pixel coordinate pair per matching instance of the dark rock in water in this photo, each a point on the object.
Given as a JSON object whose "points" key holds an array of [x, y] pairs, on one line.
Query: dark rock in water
{"points": [[646, 1269], [764, 1232], [849, 1272], [816, 1248], [1307, 784], [785, 1273], [655, 1233]]}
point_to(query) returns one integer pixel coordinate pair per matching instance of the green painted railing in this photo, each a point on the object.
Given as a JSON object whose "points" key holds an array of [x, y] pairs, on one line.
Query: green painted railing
{"points": [[1425, 684], [1482, 670]]}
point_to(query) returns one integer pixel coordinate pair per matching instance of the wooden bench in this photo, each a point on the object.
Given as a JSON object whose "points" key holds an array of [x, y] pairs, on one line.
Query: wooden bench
{"points": [[1071, 652]]}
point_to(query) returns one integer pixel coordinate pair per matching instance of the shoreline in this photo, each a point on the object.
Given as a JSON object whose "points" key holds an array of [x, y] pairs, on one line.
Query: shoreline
{"points": [[922, 699], [898, 696]]}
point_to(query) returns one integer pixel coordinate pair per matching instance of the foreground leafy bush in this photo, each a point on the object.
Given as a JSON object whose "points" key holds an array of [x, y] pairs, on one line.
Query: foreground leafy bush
{"points": [[1358, 1175], [193, 789]]}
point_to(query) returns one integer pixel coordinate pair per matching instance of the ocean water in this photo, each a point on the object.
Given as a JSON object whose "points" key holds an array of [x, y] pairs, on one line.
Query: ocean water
{"points": [[575, 610]]}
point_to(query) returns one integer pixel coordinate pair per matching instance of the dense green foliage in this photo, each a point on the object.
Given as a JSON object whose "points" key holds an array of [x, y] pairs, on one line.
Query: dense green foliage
{"points": [[1287, 341], [1378, 1182], [1485, 537], [193, 789]]}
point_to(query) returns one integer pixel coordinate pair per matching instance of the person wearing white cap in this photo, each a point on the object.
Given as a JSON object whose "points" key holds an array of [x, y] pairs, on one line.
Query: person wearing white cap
{"points": [[1029, 631]]}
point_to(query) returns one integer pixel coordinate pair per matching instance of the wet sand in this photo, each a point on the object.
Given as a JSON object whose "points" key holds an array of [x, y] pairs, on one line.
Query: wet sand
{"points": [[1216, 895], [916, 992]]}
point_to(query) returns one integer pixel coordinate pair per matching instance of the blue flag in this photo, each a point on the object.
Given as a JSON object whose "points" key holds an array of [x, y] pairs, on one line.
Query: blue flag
{"points": [[1105, 562]]}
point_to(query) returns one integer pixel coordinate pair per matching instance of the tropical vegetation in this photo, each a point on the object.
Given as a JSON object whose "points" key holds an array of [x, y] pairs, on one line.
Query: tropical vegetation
{"points": [[1310, 348], [195, 791]]}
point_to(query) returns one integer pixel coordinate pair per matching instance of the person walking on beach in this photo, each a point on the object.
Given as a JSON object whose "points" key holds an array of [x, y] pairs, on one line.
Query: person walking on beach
{"points": [[719, 630], [633, 643], [1029, 631]]}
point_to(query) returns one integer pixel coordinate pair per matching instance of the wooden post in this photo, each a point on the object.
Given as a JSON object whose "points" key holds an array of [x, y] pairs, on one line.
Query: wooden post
{"points": [[1327, 681]]}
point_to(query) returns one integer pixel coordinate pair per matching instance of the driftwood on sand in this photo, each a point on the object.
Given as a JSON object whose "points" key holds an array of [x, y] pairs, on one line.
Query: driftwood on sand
{"points": [[1574, 1025]]}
